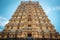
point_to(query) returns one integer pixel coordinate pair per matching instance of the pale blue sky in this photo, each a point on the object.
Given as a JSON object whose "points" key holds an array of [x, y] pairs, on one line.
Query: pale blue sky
{"points": [[51, 8]]}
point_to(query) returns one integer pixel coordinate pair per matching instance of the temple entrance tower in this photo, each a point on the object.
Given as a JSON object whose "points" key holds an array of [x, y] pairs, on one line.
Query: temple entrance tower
{"points": [[29, 20]]}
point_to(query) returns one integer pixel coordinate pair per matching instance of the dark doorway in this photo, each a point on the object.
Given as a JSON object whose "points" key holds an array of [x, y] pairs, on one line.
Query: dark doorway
{"points": [[29, 35]]}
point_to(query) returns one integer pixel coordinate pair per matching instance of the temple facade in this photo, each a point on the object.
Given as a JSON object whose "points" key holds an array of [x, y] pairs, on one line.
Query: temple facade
{"points": [[29, 20]]}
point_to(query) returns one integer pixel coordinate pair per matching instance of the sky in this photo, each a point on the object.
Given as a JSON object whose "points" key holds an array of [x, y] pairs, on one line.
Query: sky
{"points": [[50, 7]]}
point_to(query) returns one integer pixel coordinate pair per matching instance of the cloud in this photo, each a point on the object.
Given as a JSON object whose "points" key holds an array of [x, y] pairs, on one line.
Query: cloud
{"points": [[52, 9], [3, 21], [3, 18], [56, 8]]}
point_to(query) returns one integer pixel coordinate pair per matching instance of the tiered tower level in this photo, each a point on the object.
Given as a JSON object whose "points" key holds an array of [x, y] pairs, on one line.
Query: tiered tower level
{"points": [[29, 19]]}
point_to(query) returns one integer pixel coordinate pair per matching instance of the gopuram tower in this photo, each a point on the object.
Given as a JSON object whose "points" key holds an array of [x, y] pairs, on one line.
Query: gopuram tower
{"points": [[29, 20]]}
